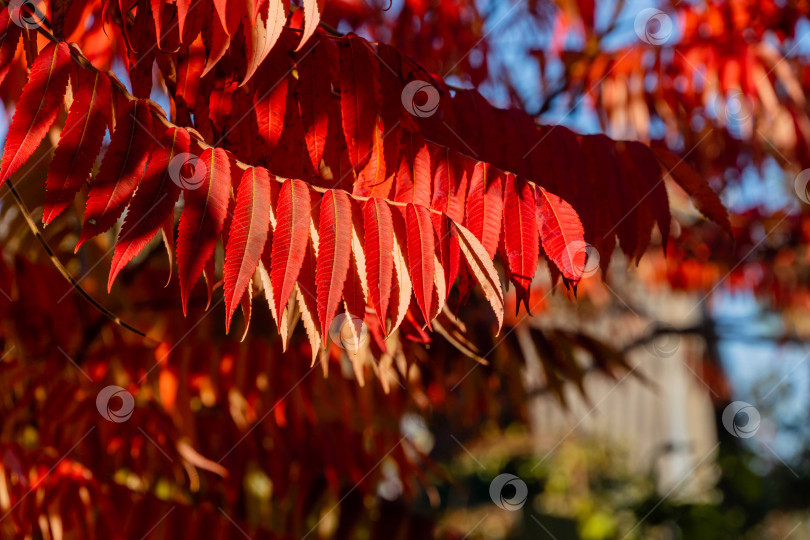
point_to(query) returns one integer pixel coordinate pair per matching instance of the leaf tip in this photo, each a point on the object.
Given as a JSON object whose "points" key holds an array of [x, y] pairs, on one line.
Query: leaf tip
{"points": [[111, 279]]}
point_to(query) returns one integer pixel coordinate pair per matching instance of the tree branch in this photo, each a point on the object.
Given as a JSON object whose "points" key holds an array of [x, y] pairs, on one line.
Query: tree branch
{"points": [[62, 270]]}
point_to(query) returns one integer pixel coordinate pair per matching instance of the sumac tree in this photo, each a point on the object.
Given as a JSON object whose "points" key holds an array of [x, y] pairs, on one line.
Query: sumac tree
{"points": [[295, 174]]}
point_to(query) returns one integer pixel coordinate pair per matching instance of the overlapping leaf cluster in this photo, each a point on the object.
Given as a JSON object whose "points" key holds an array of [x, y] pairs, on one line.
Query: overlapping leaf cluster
{"points": [[312, 167]]}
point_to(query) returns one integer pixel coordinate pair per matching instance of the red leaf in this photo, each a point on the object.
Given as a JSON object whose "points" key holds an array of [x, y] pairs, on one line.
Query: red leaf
{"points": [[167, 232], [230, 13], [209, 275], [141, 50], [220, 104], [705, 199], [485, 206], [217, 41], [624, 203], [478, 112], [420, 256], [413, 178], [312, 16], [598, 218], [635, 191], [379, 247], [339, 174], [400, 298], [269, 293], [376, 177], [449, 251], [263, 34], [79, 143], [247, 235], [152, 203], [521, 238], [270, 101], [189, 71], [222, 12], [395, 117], [290, 158], [182, 11], [9, 37], [246, 303], [354, 301], [37, 108], [562, 234], [481, 267], [314, 89], [202, 219], [258, 5], [359, 91], [168, 36], [334, 251], [652, 184], [289, 241], [120, 171], [422, 166], [449, 184], [308, 299]]}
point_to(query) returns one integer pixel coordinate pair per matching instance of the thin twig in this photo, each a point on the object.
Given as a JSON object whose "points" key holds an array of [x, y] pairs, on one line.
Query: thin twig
{"points": [[62, 270]]}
